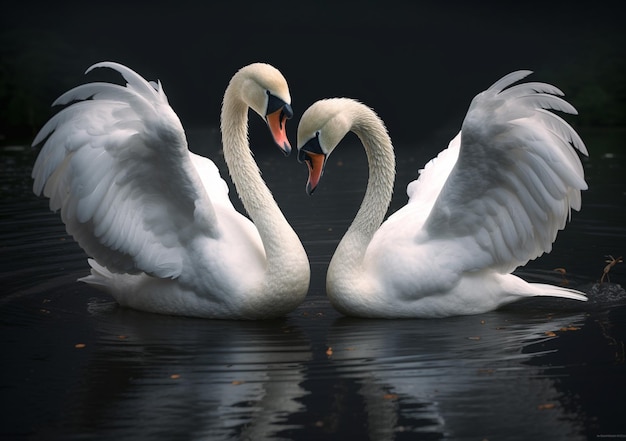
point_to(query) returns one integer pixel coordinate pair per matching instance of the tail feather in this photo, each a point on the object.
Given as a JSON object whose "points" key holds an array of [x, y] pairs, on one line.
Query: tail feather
{"points": [[99, 277], [542, 289]]}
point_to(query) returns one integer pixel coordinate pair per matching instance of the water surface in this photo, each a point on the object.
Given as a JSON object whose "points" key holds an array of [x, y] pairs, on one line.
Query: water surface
{"points": [[76, 366]]}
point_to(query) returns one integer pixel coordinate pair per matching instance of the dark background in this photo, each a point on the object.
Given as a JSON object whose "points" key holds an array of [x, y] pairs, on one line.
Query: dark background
{"points": [[417, 64]]}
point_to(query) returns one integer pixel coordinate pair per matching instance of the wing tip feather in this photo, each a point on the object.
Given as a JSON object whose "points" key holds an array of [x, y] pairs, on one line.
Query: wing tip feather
{"points": [[509, 79]]}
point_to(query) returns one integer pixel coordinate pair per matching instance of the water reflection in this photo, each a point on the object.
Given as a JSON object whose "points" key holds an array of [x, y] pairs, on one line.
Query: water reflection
{"points": [[191, 379], [463, 378], [581, 364]]}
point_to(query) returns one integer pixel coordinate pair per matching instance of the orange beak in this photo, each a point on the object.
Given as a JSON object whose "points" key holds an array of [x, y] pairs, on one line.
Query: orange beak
{"points": [[277, 123], [315, 162]]}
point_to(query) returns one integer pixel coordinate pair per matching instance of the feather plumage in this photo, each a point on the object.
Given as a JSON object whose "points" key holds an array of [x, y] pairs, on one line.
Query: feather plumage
{"points": [[525, 166], [107, 170]]}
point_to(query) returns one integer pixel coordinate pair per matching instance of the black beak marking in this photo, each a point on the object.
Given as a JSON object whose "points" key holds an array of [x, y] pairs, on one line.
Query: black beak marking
{"points": [[312, 146]]}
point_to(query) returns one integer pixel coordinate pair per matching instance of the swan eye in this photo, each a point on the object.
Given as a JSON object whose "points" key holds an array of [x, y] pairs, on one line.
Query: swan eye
{"points": [[318, 143]]}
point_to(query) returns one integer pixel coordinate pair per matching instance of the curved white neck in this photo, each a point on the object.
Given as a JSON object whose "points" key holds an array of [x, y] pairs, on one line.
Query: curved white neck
{"points": [[349, 254], [279, 240]]}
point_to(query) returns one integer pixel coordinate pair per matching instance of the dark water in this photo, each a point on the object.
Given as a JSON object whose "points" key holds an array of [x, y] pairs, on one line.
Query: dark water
{"points": [[77, 367]]}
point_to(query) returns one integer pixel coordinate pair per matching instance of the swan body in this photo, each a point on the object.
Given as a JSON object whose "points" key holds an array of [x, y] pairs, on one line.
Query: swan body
{"points": [[490, 202], [155, 218]]}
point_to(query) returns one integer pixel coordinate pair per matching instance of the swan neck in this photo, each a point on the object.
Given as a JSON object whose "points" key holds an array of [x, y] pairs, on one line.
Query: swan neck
{"points": [[256, 198], [381, 164]]}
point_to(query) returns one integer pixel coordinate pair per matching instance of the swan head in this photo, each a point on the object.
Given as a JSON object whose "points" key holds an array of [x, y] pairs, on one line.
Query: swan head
{"points": [[321, 129], [264, 89]]}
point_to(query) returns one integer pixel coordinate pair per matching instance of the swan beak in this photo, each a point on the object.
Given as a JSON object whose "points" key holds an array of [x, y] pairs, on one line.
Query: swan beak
{"points": [[315, 162], [277, 123]]}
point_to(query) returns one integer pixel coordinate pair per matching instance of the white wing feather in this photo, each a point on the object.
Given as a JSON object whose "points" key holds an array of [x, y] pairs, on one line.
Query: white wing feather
{"points": [[115, 162], [516, 178]]}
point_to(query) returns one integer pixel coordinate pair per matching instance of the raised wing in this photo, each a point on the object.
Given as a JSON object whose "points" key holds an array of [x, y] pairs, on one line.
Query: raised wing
{"points": [[115, 162], [516, 179]]}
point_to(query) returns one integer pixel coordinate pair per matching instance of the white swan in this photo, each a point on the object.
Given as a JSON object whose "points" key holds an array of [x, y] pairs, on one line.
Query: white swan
{"points": [[490, 202], [155, 217]]}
